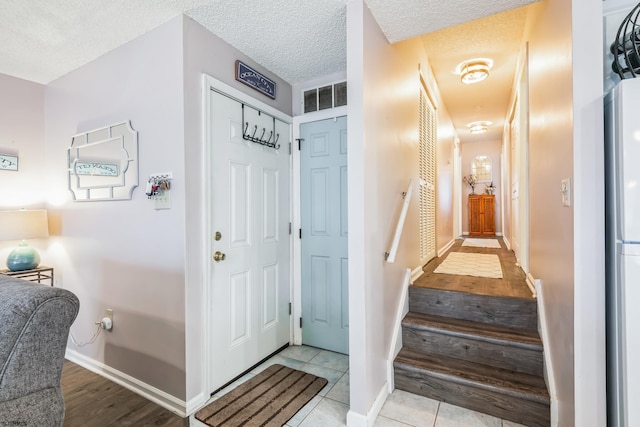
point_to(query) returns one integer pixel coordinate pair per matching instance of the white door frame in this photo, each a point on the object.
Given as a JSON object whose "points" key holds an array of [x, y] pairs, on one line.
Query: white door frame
{"points": [[209, 83], [295, 201]]}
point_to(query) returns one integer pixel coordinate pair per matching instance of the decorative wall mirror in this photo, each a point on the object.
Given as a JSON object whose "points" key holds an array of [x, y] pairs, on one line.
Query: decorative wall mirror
{"points": [[481, 168], [103, 163]]}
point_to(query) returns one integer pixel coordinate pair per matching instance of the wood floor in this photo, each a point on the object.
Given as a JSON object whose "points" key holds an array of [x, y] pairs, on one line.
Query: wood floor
{"points": [[513, 283], [91, 400]]}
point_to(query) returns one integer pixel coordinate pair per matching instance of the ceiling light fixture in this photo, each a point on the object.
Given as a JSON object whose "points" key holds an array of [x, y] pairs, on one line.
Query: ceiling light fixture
{"points": [[479, 126], [474, 70]]}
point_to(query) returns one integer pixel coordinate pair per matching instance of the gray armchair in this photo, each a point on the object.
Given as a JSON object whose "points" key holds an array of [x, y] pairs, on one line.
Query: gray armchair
{"points": [[34, 327]]}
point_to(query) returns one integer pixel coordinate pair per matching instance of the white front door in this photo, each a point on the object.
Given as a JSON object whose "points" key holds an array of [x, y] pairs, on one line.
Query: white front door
{"points": [[250, 209], [323, 212]]}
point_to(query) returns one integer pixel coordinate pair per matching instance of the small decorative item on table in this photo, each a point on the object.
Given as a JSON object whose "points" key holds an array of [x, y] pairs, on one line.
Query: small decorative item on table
{"points": [[22, 225], [490, 189], [471, 180]]}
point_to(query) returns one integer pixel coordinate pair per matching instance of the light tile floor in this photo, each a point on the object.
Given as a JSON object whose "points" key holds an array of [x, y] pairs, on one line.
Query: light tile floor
{"points": [[329, 408]]}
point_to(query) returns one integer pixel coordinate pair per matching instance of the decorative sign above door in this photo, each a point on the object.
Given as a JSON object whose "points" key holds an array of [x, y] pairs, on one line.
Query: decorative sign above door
{"points": [[255, 80]]}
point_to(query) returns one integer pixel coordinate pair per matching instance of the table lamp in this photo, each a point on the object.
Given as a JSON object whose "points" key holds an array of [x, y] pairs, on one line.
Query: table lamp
{"points": [[21, 225]]}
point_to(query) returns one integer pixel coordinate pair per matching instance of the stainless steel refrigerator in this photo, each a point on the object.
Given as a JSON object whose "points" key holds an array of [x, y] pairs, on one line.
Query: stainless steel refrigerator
{"points": [[622, 148]]}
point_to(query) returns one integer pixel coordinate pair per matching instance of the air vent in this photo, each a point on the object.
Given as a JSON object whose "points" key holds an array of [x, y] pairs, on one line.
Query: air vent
{"points": [[325, 97]]}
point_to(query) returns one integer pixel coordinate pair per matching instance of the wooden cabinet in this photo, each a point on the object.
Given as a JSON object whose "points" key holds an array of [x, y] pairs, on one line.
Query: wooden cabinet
{"points": [[482, 215]]}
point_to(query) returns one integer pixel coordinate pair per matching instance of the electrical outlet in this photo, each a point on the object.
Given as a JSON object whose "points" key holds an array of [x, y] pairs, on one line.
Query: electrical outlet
{"points": [[107, 320]]}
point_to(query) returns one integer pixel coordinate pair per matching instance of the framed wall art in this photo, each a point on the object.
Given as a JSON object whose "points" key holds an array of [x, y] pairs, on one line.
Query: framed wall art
{"points": [[8, 162]]}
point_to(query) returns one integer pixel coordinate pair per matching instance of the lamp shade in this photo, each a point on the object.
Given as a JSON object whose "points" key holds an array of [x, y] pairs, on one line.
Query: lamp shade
{"points": [[21, 225]]}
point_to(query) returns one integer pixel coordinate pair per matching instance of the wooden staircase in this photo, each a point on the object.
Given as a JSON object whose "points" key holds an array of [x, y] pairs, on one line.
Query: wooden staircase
{"points": [[476, 351]]}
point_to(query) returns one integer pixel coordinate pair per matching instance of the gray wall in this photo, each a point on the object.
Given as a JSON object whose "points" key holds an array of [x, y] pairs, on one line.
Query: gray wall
{"points": [[125, 255]]}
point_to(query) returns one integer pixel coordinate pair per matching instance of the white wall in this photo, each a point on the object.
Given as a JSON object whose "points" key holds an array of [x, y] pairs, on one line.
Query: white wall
{"points": [[492, 149], [383, 91], [614, 13], [125, 255], [204, 52], [22, 135], [588, 154]]}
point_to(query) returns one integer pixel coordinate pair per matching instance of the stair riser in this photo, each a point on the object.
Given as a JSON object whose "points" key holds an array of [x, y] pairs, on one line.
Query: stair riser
{"points": [[529, 413], [501, 356], [513, 312]]}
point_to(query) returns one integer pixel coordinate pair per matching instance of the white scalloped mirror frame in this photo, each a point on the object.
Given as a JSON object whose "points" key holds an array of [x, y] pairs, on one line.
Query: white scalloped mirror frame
{"points": [[103, 163]]}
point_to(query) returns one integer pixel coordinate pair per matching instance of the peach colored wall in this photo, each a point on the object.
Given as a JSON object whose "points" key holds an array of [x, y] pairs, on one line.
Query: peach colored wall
{"points": [[551, 142], [470, 150], [383, 122]]}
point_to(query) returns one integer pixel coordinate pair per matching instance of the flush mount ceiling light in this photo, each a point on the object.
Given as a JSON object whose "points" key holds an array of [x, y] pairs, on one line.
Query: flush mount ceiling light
{"points": [[478, 127], [474, 70]]}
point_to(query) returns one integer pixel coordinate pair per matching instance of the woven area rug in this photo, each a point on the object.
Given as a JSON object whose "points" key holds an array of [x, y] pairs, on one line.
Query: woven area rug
{"points": [[270, 398], [465, 264], [481, 243]]}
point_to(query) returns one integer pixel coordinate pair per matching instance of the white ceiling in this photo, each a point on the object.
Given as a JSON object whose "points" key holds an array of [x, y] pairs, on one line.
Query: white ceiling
{"points": [[297, 40]]}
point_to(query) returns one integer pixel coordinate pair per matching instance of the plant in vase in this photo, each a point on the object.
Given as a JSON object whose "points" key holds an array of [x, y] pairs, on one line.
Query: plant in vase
{"points": [[471, 181], [490, 189]]}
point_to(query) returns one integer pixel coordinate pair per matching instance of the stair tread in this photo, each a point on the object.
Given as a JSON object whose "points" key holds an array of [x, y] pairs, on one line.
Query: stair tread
{"points": [[467, 328], [483, 376]]}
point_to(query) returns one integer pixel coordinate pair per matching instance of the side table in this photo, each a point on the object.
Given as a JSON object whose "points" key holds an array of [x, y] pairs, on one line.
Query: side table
{"points": [[39, 274]]}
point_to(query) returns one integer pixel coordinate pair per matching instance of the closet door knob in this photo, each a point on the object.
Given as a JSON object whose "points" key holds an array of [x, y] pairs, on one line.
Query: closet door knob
{"points": [[219, 256]]}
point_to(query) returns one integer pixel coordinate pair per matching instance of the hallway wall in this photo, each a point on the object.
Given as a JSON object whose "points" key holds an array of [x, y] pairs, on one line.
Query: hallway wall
{"points": [[550, 160], [383, 94], [470, 150], [567, 243]]}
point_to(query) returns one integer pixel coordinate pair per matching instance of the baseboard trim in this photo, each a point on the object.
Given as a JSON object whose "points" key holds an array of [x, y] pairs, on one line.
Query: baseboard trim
{"points": [[531, 284], [465, 233], [543, 330], [396, 337], [415, 274], [506, 243], [355, 419], [164, 399], [446, 247]]}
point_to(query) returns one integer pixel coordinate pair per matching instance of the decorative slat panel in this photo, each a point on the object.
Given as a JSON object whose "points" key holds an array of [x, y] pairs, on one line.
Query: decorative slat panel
{"points": [[427, 127]]}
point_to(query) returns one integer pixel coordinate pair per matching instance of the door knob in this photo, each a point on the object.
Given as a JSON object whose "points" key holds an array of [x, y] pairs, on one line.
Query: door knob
{"points": [[219, 256]]}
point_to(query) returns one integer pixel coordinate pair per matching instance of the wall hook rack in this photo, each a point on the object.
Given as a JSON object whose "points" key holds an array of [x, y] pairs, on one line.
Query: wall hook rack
{"points": [[260, 140]]}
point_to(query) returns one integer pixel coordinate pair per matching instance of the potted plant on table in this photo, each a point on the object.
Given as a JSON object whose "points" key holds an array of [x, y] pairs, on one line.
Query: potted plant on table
{"points": [[471, 180]]}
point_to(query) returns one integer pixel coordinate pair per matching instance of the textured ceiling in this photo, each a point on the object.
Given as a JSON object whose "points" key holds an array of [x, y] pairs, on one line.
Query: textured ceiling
{"points": [[403, 19], [497, 37], [296, 39]]}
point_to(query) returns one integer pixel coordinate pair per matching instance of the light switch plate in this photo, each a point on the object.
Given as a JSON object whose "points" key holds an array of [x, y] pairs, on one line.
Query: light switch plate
{"points": [[565, 190]]}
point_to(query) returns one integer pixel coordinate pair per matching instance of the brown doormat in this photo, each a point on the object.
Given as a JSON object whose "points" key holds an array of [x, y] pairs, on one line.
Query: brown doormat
{"points": [[270, 398]]}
